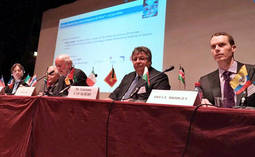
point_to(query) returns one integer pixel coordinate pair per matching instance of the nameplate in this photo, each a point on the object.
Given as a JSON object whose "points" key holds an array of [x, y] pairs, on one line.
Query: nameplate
{"points": [[83, 92], [173, 97], [25, 91]]}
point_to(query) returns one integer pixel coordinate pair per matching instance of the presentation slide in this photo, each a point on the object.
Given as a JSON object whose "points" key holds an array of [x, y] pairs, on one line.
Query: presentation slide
{"points": [[105, 38]]}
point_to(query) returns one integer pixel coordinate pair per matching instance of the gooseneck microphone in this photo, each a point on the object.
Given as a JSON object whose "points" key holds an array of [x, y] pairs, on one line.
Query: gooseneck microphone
{"points": [[139, 86], [45, 75], [168, 69]]}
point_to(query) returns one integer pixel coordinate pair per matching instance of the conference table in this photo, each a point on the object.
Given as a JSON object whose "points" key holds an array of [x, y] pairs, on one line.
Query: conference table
{"points": [[39, 126]]}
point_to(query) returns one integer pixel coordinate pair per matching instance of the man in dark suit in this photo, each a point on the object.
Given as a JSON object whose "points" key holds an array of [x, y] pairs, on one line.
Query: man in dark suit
{"points": [[51, 87], [69, 76], [213, 84], [133, 86]]}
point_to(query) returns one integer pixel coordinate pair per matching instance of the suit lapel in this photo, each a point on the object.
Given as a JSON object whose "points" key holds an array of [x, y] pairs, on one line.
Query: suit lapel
{"points": [[129, 82], [216, 87]]}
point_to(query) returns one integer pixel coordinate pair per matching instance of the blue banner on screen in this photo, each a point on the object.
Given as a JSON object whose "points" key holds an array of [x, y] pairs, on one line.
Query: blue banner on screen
{"points": [[105, 38]]}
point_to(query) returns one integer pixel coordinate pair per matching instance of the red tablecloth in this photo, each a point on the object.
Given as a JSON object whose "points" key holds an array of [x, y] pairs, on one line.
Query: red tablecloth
{"points": [[65, 127]]}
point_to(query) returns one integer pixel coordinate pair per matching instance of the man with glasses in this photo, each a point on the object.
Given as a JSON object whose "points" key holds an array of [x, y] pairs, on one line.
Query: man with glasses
{"points": [[51, 83], [133, 87]]}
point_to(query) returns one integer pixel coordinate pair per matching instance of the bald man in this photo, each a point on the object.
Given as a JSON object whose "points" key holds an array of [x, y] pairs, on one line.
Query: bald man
{"points": [[69, 76]]}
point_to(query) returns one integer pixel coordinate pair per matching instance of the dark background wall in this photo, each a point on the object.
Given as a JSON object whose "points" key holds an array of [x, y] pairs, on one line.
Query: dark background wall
{"points": [[20, 26]]}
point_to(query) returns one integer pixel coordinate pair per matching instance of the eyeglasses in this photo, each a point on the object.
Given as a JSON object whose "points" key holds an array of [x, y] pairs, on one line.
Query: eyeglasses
{"points": [[50, 74]]}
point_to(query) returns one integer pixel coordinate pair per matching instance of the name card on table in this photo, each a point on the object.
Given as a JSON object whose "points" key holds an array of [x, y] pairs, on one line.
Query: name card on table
{"points": [[173, 97], [25, 91], [83, 92]]}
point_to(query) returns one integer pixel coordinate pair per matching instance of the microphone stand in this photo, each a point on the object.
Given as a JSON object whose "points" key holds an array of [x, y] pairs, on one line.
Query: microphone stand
{"points": [[67, 87], [63, 90]]}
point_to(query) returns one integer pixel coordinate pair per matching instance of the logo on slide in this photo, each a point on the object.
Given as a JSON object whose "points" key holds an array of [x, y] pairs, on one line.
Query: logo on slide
{"points": [[150, 8]]}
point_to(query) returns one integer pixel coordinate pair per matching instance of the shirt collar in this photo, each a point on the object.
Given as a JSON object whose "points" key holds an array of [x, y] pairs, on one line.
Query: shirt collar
{"points": [[17, 81], [232, 68]]}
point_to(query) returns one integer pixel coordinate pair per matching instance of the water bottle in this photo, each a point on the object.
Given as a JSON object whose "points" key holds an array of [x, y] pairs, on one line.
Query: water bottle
{"points": [[199, 90]]}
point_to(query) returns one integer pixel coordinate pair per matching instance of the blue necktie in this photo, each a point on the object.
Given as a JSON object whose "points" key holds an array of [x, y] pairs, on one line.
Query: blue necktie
{"points": [[228, 91], [131, 88]]}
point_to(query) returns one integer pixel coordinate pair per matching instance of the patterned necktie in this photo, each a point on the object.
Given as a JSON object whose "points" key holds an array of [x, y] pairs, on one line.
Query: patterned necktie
{"points": [[131, 88], [228, 91]]}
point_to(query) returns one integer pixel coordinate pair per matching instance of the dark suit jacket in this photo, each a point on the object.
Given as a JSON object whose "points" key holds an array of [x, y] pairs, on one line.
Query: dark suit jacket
{"points": [[81, 78], [210, 84], [159, 82], [8, 90], [52, 90]]}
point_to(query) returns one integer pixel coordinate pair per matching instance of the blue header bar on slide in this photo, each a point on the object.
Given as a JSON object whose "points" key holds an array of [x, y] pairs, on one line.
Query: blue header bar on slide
{"points": [[101, 16]]}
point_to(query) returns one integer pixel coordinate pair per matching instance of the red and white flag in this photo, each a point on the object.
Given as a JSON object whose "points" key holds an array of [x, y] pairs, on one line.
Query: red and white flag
{"points": [[91, 80], [2, 84]]}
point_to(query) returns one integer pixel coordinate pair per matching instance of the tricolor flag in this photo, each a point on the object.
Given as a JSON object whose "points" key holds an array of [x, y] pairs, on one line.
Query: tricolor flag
{"points": [[91, 80], [27, 80], [241, 81], [146, 76], [181, 76], [33, 81], [111, 78], [2, 84]]}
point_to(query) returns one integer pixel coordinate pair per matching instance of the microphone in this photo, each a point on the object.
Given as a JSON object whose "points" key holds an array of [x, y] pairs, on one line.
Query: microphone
{"points": [[45, 75], [139, 86], [66, 88], [169, 69], [63, 90], [166, 70], [72, 83]]}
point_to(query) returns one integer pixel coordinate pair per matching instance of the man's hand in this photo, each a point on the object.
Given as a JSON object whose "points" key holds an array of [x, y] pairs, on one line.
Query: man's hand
{"points": [[207, 103]]}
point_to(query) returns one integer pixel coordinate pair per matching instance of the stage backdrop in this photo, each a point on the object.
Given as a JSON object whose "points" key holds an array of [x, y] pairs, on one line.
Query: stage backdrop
{"points": [[189, 25]]}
